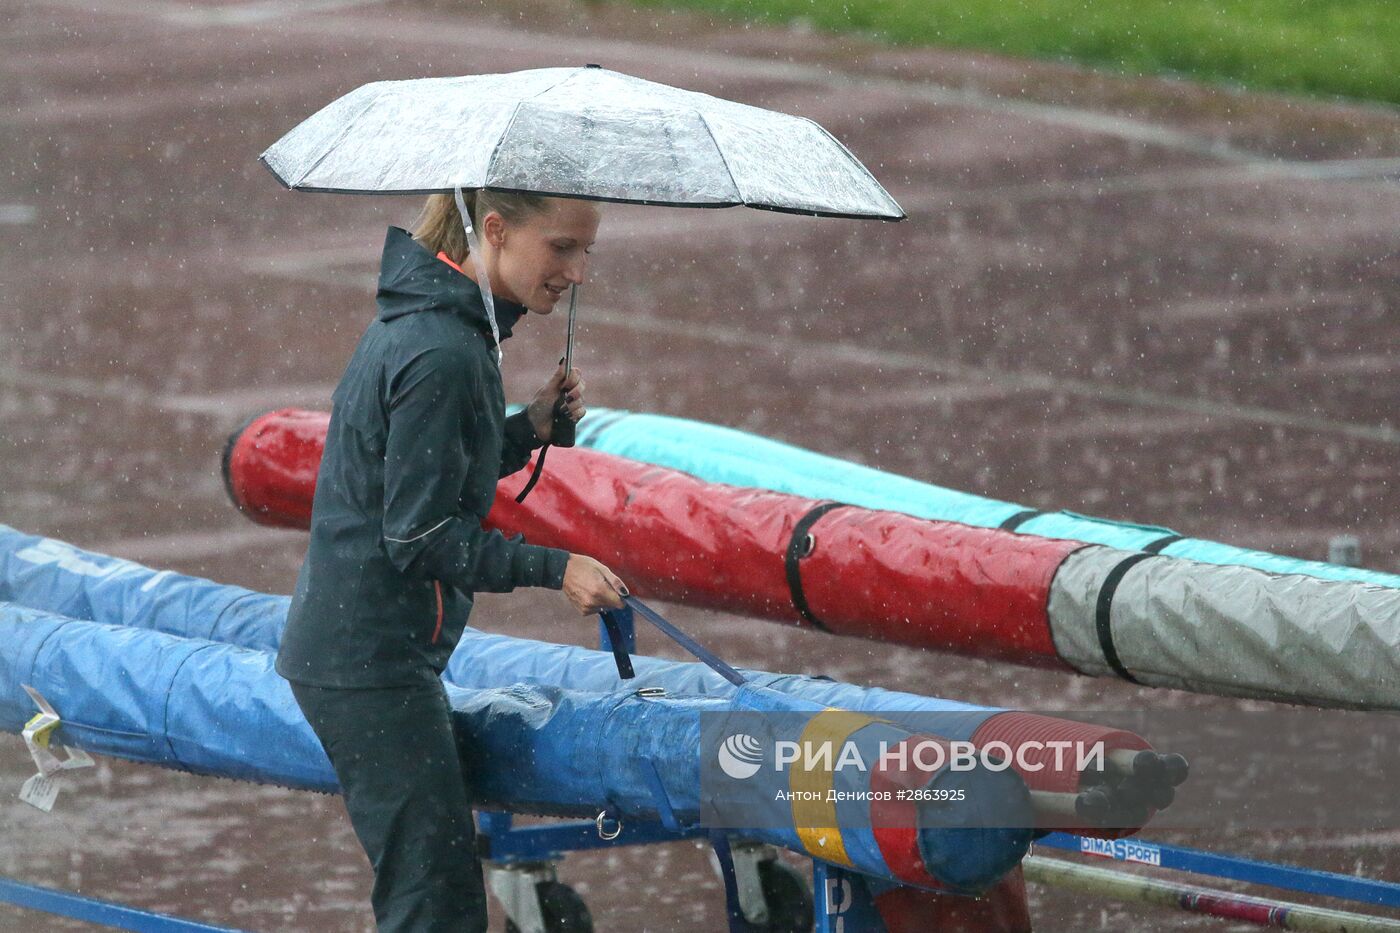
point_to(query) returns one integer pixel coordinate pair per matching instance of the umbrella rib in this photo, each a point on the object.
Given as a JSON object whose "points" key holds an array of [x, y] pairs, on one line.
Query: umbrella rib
{"points": [[495, 150], [500, 140], [743, 199], [345, 131]]}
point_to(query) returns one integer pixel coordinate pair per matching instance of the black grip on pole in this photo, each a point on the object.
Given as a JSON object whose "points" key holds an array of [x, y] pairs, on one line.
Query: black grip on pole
{"points": [[562, 430], [561, 434]]}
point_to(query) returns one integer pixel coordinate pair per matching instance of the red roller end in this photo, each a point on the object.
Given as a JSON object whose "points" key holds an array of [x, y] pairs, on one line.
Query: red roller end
{"points": [[270, 466]]}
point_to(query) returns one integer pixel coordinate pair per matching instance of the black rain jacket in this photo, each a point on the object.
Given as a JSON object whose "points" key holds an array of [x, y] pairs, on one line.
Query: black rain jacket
{"points": [[417, 440]]}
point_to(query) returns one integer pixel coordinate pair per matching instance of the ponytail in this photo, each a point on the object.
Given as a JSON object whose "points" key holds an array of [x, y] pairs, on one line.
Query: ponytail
{"points": [[439, 226]]}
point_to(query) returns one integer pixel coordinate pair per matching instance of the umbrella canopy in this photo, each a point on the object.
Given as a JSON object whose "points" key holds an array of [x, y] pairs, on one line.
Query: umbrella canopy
{"points": [[575, 132]]}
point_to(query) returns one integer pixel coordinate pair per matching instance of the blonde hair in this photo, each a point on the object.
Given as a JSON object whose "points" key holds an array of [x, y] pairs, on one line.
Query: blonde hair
{"points": [[439, 226]]}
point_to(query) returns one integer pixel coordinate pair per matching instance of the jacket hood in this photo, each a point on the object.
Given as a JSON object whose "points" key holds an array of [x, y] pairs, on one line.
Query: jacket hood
{"points": [[413, 279]]}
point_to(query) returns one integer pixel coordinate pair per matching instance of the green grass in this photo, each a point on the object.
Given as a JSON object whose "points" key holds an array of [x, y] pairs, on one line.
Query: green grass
{"points": [[1349, 48]]}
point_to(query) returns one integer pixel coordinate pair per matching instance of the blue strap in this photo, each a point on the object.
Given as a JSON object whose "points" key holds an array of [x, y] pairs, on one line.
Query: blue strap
{"points": [[618, 642], [686, 642]]}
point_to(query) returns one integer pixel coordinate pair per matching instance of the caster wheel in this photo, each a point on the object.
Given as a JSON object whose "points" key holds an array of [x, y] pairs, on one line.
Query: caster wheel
{"points": [[789, 897], [564, 911]]}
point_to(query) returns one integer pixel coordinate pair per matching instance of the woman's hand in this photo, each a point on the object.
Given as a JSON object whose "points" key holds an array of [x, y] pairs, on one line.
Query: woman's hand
{"points": [[541, 410], [590, 586]]}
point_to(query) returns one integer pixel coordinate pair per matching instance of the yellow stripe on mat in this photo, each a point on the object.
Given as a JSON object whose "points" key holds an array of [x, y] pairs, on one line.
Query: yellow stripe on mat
{"points": [[815, 818]]}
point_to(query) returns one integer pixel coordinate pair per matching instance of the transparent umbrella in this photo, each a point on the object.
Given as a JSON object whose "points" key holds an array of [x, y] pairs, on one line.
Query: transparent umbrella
{"points": [[575, 132]]}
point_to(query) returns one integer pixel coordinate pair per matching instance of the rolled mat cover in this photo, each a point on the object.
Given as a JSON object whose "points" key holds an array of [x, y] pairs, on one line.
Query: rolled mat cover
{"points": [[216, 709], [882, 575]]}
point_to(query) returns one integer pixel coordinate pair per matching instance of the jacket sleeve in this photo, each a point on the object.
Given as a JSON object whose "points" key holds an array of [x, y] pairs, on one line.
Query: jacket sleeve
{"points": [[518, 442], [432, 407]]}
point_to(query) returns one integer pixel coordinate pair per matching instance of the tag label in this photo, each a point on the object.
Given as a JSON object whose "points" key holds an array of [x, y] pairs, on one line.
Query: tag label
{"points": [[40, 791]]}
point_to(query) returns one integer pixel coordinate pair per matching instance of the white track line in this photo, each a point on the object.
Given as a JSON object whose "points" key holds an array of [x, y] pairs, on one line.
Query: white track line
{"points": [[1088, 121], [240, 403], [625, 223], [592, 48], [17, 214], [893, 359], [878, 359], [105, 109], [233, 14], [1216, 308], [233, 404], [196, 545], [463, 37], [115, 389], [1373, 170], [245, 13]]}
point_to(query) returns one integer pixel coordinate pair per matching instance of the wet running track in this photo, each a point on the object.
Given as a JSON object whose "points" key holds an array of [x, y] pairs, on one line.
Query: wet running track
{"points": [[1132, 298]]}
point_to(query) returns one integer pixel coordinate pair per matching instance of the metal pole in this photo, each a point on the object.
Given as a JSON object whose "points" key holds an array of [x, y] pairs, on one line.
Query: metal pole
{"points": [[1234, 867], [1277, 914]]}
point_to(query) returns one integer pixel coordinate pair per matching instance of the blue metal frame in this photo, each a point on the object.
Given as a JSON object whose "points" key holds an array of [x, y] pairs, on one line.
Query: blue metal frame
{"points": [[64, 904], [828, 881], [1234, 867], [502, 842]]}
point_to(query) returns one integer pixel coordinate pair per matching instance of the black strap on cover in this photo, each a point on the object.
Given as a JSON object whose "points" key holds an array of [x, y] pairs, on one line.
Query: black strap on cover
{"points": [[1156, 547], [1019, 519], [593, 425], [1103, 613], [796, 550]]}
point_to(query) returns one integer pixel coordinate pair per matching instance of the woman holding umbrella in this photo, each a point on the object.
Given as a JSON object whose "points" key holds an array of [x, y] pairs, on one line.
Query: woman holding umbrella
{"points": [[417, 441], [418, 435]]}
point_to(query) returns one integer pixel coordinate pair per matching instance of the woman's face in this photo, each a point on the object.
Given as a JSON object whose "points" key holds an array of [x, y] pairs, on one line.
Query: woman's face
{"points": [[534, 261]]}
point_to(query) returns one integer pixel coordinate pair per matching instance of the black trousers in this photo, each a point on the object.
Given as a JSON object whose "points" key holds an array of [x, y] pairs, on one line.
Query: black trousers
{"points": [[396, 756]]}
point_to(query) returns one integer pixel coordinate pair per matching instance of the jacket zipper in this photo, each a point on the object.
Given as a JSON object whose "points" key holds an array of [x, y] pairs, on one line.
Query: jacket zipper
{"points": [[437, 629]]}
